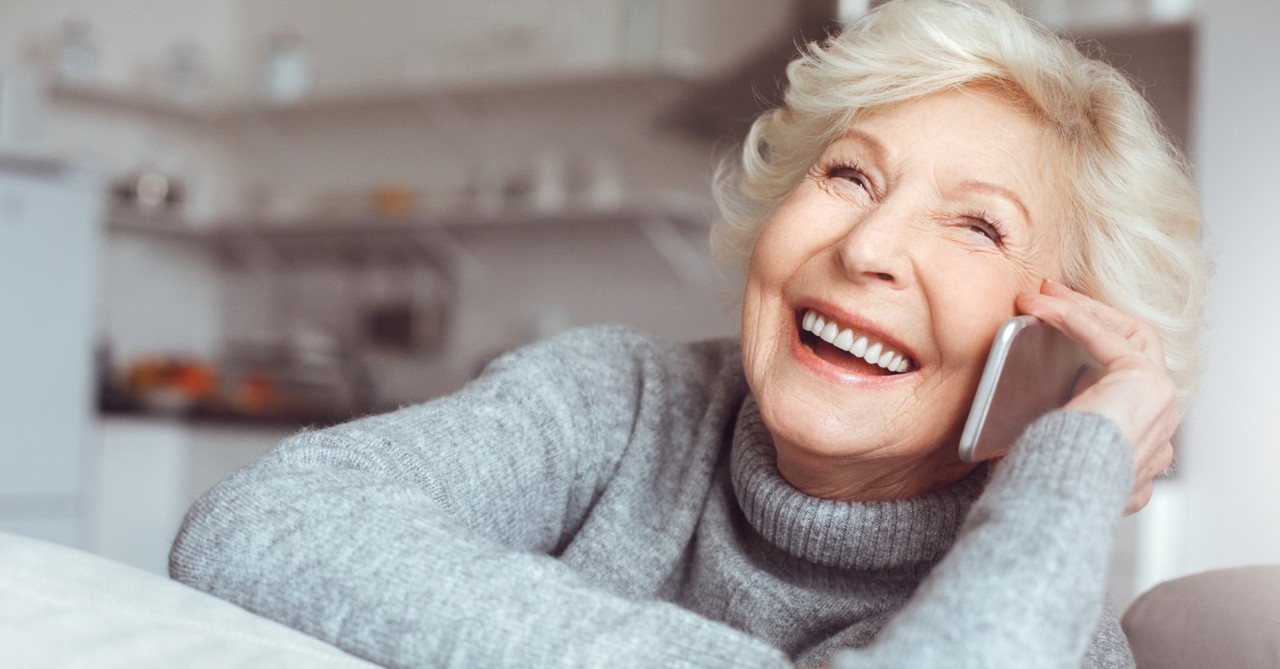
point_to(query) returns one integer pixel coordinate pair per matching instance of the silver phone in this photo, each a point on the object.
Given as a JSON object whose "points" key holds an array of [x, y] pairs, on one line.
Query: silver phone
{"points": [[1031, 370]]}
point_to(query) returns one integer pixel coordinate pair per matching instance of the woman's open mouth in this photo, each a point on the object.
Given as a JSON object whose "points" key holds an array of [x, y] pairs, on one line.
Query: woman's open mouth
{"points": [[842, 346]]}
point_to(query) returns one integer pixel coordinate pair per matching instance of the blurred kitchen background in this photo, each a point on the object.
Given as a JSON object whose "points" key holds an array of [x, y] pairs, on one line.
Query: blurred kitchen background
{"points": [[222, 221]]}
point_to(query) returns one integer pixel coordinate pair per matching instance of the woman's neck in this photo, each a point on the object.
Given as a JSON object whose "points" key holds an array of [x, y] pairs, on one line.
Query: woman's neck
{"points": [[868, 478]]}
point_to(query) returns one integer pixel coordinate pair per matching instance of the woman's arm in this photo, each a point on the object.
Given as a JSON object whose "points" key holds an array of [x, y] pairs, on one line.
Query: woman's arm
{"points": [[1024, 584], [424, 538]]}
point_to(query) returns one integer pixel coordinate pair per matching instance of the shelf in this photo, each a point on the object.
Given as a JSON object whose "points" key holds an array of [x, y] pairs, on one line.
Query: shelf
{"points": [[209, 109], [132, 100], [671, 226], [356, 228]]}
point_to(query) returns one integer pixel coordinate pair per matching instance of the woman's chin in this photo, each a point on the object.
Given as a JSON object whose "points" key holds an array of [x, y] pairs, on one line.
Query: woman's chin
{"points": [[811, 428], [827, 412]]}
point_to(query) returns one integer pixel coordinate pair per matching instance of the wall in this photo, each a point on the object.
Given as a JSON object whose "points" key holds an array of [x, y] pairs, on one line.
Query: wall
{"points": [[462, 40], [1228, 493]]}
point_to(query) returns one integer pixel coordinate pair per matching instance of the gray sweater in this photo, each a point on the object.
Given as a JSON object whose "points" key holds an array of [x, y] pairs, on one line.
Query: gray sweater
{"points": [[608, 500]]}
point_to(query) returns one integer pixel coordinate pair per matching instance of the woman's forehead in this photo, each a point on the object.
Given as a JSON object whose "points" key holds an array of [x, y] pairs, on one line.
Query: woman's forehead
{"points": [[970, 129]]}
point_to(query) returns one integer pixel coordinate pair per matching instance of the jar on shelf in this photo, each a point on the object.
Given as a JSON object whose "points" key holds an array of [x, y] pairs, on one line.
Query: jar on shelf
{"points": [[76, 56], [286, 67]]}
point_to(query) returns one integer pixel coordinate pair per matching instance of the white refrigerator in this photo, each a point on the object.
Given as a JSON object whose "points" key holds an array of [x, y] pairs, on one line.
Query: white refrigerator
{"points": [[49, 246]]}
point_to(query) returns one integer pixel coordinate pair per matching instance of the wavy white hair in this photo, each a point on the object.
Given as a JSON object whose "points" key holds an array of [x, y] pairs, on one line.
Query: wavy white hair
{"points": [[1132, 233]]}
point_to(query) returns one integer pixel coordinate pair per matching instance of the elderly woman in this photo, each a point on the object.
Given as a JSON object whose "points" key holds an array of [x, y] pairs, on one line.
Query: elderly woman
{"points": [[604, 499]]}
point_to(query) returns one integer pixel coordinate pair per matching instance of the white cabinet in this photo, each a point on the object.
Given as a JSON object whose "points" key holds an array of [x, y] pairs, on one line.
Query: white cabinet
{"points": [[49, 229], [146, 474]]}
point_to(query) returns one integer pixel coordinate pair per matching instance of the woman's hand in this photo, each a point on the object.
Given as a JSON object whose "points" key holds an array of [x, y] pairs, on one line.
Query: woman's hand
{"points": [[1133, 389]]}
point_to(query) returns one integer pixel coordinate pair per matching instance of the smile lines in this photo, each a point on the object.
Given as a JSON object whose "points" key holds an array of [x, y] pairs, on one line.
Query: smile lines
{"points": [[861, 346]]}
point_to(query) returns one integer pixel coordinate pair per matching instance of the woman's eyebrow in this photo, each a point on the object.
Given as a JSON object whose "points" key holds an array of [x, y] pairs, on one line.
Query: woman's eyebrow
{"points": [[867, 141], [879, 154], [998, 191]]}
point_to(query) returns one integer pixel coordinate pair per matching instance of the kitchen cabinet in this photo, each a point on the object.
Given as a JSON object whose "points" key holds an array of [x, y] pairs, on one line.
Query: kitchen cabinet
{"points": [[148, 471]]}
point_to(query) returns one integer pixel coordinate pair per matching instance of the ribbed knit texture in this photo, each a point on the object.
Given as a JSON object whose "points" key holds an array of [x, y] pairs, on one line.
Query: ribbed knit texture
{"points": [[873, 536], [608, 500]]}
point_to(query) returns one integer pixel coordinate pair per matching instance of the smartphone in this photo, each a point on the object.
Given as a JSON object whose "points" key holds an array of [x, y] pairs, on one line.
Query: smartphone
{"points": [[1031, 370]]}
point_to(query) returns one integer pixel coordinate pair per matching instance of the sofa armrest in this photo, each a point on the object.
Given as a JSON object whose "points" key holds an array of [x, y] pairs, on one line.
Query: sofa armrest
{"points": [[1222, 618], [60, 607]]}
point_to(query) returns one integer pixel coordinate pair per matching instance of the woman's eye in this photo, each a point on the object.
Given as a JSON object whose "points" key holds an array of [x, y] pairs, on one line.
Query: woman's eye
{"points": [[851, 175], [984, 228]]}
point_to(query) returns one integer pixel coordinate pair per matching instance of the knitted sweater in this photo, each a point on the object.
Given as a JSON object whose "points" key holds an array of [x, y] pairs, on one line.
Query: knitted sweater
{"points": [[608, 500]]}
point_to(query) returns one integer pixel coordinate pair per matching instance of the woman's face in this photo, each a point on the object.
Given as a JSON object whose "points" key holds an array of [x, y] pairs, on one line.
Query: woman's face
{"points": [[914, 230]]}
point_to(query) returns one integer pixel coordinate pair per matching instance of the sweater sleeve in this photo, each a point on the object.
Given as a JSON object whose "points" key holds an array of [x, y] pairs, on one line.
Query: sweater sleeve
{"points": [[426, 537], [1023, 586]]}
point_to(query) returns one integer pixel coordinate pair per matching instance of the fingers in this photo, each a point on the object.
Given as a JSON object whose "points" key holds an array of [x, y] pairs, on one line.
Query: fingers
{"points": [[1127, 326], [1144, 485], [1146, 474], [1156, 462], [1157, 393], [1101, 331], [1139, 499], [1124, 324], [1100, 341]]}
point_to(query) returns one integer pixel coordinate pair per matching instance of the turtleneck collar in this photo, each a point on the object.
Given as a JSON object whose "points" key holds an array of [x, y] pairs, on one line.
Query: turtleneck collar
{"points": [[862, 536]]}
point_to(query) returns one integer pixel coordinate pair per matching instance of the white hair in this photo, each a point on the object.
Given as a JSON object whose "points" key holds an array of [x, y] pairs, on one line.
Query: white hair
{"points": [[1132, 232]]}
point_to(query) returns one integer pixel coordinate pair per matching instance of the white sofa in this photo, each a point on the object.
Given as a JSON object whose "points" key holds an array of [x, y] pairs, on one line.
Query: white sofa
{"points": [[62, 608]]}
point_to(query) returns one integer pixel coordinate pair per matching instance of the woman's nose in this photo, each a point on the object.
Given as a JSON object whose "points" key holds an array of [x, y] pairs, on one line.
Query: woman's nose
{"points": [[877, 249]]}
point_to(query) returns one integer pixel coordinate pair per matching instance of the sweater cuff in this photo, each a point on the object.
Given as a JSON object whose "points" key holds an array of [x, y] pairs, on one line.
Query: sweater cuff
{"points": [[1069, 455]]}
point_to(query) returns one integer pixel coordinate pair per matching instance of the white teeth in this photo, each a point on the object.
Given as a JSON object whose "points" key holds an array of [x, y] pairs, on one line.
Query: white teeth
{"points": [[844, 340], [874, 352]]}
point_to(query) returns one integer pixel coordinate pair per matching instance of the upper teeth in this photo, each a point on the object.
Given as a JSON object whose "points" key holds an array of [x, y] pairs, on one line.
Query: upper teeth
{"points": [[871, 350]]}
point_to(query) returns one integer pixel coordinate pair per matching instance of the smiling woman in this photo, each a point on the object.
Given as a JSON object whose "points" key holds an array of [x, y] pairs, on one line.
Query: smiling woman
{"points": [[794, 498], [886, 237]]}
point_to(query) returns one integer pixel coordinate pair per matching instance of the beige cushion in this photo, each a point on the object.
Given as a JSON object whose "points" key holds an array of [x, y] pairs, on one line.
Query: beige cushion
{"points": [[1224, 618], [64, 608]]}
